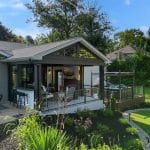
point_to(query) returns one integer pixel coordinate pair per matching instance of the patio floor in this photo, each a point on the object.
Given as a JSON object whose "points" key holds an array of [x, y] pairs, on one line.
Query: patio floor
{"points": [[8, 112], [72, 106]]}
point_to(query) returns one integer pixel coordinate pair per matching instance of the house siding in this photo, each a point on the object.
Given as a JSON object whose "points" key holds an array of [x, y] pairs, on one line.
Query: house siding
{"points": [[4, 80]]}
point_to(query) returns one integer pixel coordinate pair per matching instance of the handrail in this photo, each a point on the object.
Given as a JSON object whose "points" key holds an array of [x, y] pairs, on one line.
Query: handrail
{"points": [[65, 98]]}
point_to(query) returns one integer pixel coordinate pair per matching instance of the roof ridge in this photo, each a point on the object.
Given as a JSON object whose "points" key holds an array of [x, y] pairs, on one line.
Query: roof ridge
{"points": [[13, 42], [47, 43]]}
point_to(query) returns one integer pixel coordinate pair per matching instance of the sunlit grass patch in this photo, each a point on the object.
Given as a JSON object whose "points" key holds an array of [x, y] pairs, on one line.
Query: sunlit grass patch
{"points": [[142, 118]]}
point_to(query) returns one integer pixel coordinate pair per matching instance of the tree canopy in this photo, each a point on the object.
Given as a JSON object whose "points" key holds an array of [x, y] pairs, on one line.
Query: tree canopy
{"points": [[5, 33], [133, 37], [70, 18]]}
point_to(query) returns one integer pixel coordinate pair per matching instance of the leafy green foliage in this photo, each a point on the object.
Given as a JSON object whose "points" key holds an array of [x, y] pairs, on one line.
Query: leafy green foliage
{"points": [[33, 133], [108, 112], [139, 63], [132, 130], [135, 144], [5, 34], [123, 120], [33, 136], [103, 129], [133, 37], [71, 18], [100, 147]]}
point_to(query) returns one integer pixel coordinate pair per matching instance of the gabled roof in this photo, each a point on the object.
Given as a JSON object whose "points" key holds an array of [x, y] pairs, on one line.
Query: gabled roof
{"points": [[38, 52], [125, 50], [5, 53], [7, 47]]}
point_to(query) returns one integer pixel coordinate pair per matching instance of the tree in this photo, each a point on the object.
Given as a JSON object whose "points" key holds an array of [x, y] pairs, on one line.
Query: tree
{"points": [[5, 33], [95, 28], [29, 40], [70, 18], [133, 37], [58, 15], [18, 39]]}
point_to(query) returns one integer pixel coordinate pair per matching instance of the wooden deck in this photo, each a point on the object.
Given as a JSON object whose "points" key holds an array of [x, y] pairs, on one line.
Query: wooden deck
{"points": [[57, 107]]}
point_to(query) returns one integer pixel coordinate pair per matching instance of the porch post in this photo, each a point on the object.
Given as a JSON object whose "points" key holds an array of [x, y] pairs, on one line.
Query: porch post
{"points": [[81, 77], [17, 75], [101, 82], [37, 83]]}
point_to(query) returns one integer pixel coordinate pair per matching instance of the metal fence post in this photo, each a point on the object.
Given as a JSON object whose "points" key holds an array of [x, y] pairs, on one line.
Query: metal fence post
{"points": [[84, 96]]}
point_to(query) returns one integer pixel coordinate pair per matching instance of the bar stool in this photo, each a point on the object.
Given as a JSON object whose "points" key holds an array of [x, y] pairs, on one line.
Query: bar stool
{"points": [[22, 97]]}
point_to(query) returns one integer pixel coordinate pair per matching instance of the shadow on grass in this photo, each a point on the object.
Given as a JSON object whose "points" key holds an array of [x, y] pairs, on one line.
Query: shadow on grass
{"points": [[144, 126]]}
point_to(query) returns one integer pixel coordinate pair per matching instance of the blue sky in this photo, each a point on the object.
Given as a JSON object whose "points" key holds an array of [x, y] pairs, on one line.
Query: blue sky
{"points": [[123, 14]]}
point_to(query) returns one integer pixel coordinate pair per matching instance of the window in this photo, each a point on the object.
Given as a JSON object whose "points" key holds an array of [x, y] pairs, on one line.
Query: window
{"points": [[76, 51], [26, 76]]}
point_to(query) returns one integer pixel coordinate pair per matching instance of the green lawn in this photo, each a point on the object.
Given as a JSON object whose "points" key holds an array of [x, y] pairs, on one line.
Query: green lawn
{"points": [[147, 94], [139, 91], [142, 118]]}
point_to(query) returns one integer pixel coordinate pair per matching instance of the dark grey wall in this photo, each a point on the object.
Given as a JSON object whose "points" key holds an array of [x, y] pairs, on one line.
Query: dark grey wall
{"points": [[4, 80]]}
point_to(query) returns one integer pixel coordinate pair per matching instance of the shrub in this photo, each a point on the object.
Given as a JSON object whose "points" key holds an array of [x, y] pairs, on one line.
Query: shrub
{"points": [[95, 140], [99, 147], [134, 144], [103, 129], [132, 130], [69, 121], [123, 121], [31, 135], [113, 103], [108, 112], [82, 126], [85, 113]]}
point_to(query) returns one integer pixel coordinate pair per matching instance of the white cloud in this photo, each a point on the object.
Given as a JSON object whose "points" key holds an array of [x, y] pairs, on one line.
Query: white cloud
{"points": [[127, 2], [144, 29], [14, 4], [30, 30]]}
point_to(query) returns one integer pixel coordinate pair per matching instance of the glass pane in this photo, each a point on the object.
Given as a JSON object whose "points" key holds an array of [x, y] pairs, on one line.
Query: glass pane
{"points": [[72, 51], [26, 76], [49, 76], [77, 51], [14, 77], [29, 76]]}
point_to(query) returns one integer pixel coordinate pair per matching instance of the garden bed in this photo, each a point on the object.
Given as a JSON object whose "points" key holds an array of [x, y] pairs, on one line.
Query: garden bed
{"points": [[105, 126], [91, 128]]}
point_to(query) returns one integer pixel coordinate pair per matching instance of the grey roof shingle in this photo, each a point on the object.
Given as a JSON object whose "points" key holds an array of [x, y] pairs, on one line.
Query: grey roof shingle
{"points": [[125, 50], [9, 46], [6, 47], [29, 52], [37, 52]]}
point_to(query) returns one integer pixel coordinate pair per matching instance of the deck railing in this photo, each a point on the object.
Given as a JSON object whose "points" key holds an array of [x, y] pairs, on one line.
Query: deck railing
{"points": [[126, 93], [69, 98]]}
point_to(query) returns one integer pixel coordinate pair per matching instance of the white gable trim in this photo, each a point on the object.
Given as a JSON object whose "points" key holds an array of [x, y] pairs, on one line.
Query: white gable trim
{"points": [[4, 53], [76, 40]]}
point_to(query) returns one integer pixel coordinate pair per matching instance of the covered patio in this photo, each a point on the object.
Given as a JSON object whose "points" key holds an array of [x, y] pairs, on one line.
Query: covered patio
{"points": [[51, 76]]}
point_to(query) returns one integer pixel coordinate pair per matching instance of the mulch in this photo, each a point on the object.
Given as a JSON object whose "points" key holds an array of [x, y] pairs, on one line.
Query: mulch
{"points": [[9, 144]]}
